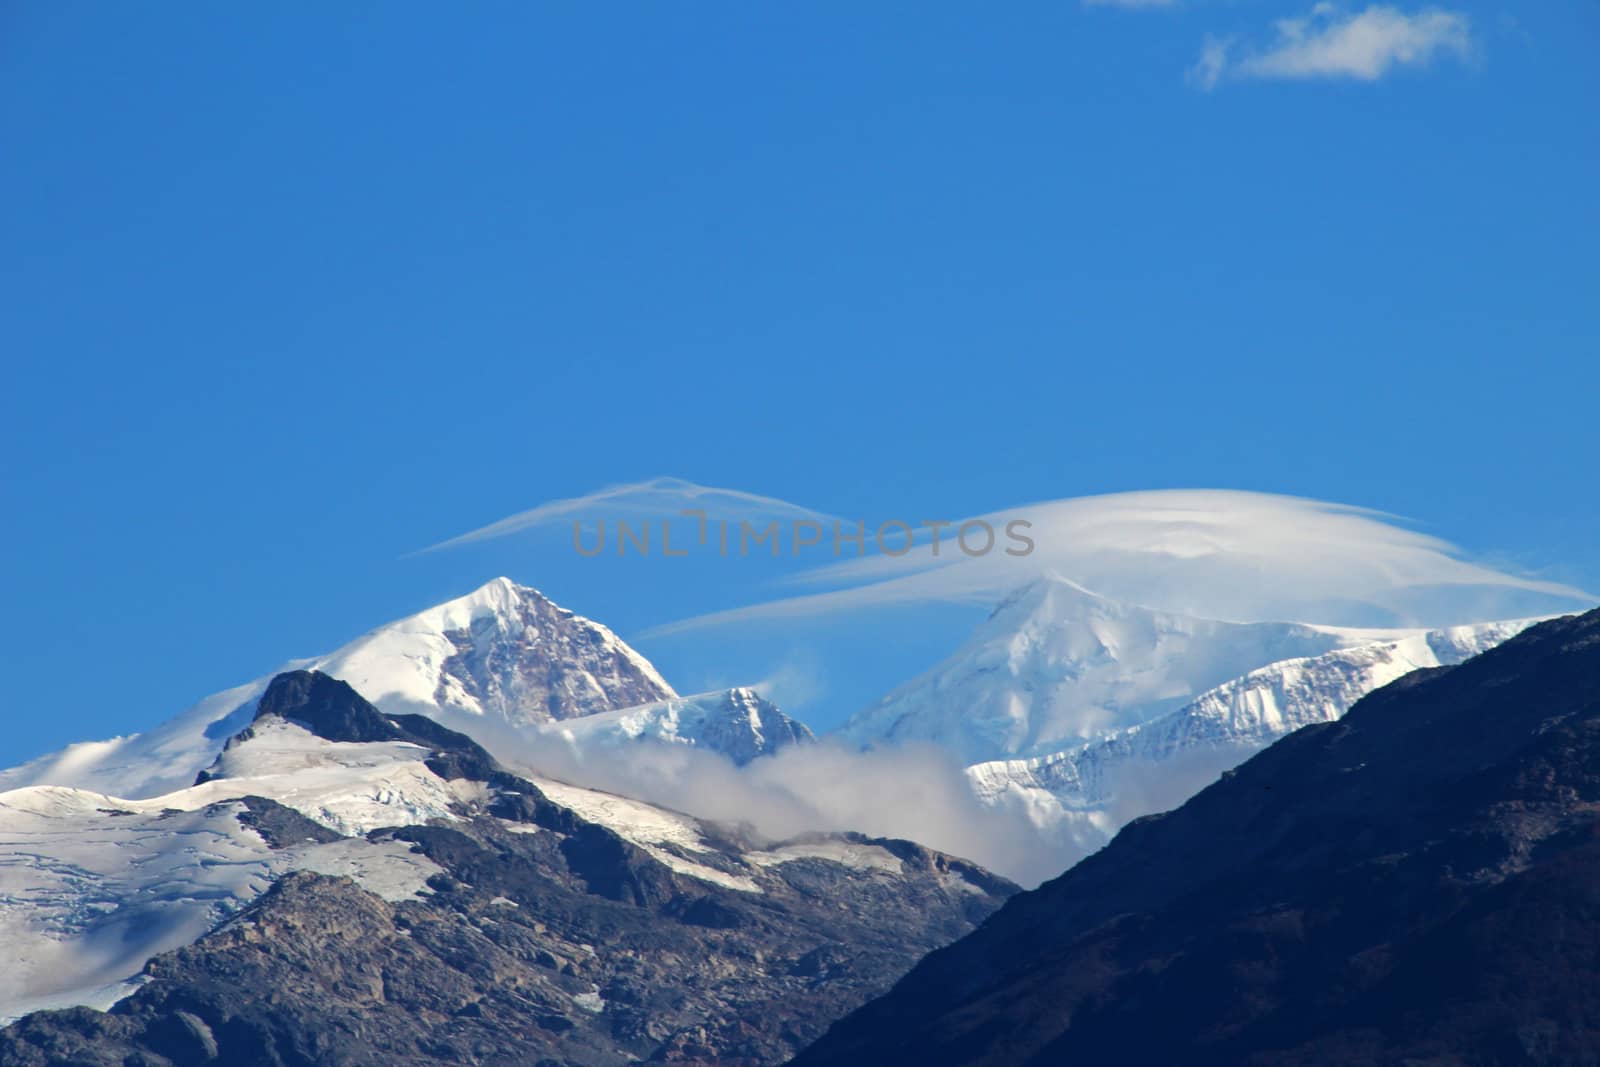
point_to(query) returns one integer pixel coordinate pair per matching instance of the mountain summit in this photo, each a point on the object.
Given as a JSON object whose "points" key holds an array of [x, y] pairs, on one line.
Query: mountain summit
{"points": [[1056, 665], [504, 652]]}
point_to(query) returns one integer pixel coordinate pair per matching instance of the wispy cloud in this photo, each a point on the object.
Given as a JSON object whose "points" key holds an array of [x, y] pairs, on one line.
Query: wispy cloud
{"points": [[1224, 554], [1247, 557], [655, 498], [1331, 42]]}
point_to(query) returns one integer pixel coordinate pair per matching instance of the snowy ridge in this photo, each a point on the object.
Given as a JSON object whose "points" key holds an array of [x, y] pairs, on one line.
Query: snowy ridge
{"points": [[503, 653], [1057, 665], [739, 723], [1098, 786]]}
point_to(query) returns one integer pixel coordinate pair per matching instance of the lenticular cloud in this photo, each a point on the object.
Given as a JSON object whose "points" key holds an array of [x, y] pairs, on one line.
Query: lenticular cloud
{"points": [[1216, 553], [1224, 554]]}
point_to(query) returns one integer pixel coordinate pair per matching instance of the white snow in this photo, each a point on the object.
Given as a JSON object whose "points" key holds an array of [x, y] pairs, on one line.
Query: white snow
{"points": [[844, 853], [647, 826], [389, 869], [634, 820]]}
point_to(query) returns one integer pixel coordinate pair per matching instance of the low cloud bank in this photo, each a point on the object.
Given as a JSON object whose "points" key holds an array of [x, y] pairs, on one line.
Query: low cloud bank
{"points": [[918, 793]]}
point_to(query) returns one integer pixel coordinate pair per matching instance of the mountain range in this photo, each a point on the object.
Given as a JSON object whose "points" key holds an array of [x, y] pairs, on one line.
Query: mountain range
{"points": [[133, 869]]}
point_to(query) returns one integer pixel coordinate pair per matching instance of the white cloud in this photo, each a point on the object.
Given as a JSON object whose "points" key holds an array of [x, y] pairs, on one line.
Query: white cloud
{"points": [[655, 498], [1333, 43], [1224, 554], [917, 793], [1212, 64]]}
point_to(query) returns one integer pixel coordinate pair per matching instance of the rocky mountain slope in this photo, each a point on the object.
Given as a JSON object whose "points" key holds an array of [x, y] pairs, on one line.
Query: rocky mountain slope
{"points": [[1418, 882], [346, 884], [504, 657]]}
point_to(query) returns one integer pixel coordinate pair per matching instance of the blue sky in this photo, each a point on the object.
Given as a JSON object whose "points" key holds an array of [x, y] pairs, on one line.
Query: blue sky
{"points": [[291, 293]]}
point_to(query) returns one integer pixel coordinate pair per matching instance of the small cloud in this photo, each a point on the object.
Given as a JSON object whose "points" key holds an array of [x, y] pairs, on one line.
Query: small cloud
{"points": [[1213, 61], [795, 683], [1333, 43]]}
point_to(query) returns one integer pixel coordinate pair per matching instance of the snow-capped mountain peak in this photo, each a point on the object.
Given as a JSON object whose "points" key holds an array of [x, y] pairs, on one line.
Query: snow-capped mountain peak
{"points": [[503, 650], [502, 654], [1056, 664]]}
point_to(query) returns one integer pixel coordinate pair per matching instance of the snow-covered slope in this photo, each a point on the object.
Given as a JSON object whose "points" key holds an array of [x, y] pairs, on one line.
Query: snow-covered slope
{"points": [[1092, 789], [502, 655], [1056, 664], [92, 886], [739, 723]]}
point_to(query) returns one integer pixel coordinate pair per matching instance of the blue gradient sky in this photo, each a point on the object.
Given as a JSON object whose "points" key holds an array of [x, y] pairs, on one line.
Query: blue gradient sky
{"points": [[291, 292]]}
